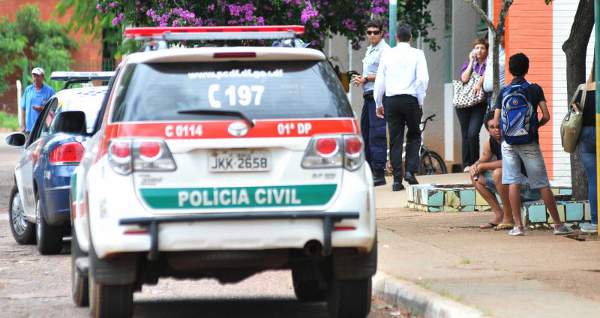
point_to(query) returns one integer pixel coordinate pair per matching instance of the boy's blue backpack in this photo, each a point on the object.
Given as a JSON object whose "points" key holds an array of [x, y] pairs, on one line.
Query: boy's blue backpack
{"points": [[518, 119]]}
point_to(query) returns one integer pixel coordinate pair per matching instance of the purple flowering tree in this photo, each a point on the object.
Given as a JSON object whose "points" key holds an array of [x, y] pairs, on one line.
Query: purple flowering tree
{"points": [[322, 18]]}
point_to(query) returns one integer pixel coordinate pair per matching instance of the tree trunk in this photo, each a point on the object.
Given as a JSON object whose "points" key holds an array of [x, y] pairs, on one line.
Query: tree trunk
{"points": [[575, 48]]}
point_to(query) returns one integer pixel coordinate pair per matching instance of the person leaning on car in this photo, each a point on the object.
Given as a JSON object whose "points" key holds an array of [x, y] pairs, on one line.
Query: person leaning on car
{"points": [[34, 98]]}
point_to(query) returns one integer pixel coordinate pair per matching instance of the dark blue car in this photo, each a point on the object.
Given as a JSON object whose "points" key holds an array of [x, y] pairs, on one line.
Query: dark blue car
{"points": [[39, 201]]}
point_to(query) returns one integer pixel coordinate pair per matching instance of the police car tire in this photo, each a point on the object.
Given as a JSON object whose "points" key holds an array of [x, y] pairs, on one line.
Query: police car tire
{"points": [[79, 283], [107, 300], [28, 235], [112, 301], [349, 298], [48, 237], [306, 286]]}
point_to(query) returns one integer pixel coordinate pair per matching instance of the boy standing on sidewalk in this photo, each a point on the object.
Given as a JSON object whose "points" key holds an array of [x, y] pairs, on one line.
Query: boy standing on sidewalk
{"points": [[516, 112]]}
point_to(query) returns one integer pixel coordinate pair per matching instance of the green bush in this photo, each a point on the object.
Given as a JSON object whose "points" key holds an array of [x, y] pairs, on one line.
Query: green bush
{"points": [[9, 121], [47, 44]]}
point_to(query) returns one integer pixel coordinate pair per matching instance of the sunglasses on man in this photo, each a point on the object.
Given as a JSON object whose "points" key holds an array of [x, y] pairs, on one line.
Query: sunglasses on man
{"points": [[373, 32]]}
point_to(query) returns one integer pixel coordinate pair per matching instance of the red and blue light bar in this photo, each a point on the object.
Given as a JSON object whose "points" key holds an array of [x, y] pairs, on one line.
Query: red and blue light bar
{"points": [[161, 32]]}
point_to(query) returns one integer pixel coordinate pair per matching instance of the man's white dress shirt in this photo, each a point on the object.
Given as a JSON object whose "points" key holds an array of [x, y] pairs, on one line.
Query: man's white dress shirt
{"points": [[402, 70]]}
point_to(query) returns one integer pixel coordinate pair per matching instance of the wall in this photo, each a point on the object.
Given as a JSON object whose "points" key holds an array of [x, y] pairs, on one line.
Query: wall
{"points": [[563, 16], [337, 50], [539, 31]]}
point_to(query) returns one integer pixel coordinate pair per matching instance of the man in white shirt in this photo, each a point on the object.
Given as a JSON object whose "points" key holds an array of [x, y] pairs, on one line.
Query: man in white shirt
{"points": [[403, 77]]}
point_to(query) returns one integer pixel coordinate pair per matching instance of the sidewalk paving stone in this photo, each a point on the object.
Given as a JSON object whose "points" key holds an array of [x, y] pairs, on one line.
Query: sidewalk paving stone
{"points": [[538, 275]]}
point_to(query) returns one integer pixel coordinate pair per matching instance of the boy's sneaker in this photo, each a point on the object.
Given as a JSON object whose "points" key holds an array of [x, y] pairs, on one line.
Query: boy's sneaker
{"points": [[588, 228], [562, 230], [516, 231]]}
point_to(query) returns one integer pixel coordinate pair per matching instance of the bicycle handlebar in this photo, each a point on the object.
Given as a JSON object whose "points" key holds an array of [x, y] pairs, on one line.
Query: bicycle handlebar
{"points": [[429, 118], [424, 122]]}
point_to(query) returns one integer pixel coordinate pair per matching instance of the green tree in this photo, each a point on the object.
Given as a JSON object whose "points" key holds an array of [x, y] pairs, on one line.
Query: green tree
{"points": [[29, 42], [12, 45]]}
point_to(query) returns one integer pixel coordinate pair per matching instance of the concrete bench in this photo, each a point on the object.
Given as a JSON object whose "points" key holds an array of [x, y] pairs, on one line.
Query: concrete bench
{"points": [[464, 198]]}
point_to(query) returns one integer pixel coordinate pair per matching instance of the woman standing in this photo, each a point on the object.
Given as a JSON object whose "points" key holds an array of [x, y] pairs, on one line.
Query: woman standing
{"points": [[587, 149], [471, 118]]}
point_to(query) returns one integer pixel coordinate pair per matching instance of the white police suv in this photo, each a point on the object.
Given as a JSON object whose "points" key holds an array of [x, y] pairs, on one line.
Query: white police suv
{"points": [[222, 162]]}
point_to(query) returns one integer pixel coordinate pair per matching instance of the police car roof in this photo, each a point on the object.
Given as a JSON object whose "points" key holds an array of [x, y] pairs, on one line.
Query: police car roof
{"points": [[204, 54], [78, 98]]}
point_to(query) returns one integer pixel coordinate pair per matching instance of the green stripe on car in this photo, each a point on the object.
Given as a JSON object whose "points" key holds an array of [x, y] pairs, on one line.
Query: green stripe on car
{"points": [[238, 197]]}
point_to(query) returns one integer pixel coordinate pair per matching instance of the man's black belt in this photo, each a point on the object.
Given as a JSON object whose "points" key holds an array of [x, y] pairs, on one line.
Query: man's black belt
{"points": [[368, 94]]}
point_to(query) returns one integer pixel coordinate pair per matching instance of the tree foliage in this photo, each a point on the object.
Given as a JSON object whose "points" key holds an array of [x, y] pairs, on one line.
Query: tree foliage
{"points": [[29, 42], [322, 18], [11, 51]]}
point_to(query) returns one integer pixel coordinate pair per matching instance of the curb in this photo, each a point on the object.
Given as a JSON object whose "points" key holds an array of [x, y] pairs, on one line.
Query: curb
{"points": [[419, 300]]}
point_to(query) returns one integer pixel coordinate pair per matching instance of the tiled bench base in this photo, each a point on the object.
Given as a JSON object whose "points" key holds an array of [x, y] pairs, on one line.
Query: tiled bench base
{"points": [[449, 198], [464, 198], [535, 212]]}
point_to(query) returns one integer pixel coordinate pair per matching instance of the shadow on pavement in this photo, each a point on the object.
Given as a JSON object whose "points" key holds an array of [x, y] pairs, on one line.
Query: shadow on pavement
{"points": [[213, 308]]}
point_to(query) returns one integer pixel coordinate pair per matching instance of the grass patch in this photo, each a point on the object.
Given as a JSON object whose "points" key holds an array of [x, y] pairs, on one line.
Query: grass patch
{"points": [[465, 261], [9, 121]]}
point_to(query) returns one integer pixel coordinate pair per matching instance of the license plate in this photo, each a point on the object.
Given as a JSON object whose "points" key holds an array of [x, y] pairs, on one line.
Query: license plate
{"points": [[239, 161]]}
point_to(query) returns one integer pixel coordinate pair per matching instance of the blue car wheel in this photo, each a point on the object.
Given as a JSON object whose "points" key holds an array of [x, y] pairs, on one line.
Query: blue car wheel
{"points": [[23, 231], [49, 238]]}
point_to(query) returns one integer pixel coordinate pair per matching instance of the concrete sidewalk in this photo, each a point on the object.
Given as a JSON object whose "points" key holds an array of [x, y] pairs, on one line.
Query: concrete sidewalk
{"points": [[538, 275]]}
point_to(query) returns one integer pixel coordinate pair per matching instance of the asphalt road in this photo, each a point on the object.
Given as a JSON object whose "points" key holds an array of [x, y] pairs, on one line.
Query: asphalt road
{"points": [[36, 286]]}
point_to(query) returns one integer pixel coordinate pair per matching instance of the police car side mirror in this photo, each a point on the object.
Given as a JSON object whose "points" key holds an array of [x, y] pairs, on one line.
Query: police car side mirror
{"points": [[16, 139], [70, 122]]}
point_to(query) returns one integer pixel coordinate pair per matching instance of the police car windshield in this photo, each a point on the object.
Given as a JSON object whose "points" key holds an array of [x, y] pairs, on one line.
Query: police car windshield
{"points": [[258, 89]]}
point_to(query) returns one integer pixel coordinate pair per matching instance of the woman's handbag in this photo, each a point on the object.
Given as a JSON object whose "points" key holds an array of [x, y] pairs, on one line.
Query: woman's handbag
{"points": [[571, 124], [464, 93]]}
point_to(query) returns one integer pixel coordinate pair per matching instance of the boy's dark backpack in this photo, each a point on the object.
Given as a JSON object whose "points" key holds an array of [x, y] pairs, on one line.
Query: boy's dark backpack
{"points": [[518, 119]]}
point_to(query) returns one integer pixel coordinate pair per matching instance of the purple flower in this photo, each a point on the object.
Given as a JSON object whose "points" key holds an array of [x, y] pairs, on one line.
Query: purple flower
{"points": [[308, 13], [349, 24], [113, 4], [117, 19]]}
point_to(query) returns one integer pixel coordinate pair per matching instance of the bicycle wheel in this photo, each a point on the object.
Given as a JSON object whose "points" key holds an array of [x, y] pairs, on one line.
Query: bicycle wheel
{"points": [[432, 163]]}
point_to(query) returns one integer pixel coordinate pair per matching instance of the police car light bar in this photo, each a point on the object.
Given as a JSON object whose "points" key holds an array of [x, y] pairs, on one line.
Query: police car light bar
{"points": [[215, 33], [81, 76]]}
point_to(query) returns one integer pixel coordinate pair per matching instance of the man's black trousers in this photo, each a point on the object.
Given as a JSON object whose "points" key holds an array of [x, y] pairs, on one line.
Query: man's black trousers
{"points": [[374, 136], [403, 111]]}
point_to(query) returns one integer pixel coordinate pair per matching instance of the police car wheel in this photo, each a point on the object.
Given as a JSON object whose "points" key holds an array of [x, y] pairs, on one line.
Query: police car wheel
{"points": [[349, 298], [307, 287], [48, 237], [107, 300], [22, 230], [79, 283], [110, 300]]}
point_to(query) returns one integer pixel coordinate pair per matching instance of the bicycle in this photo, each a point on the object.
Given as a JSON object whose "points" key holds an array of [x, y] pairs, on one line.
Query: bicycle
{"points": [[430, 162]]}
